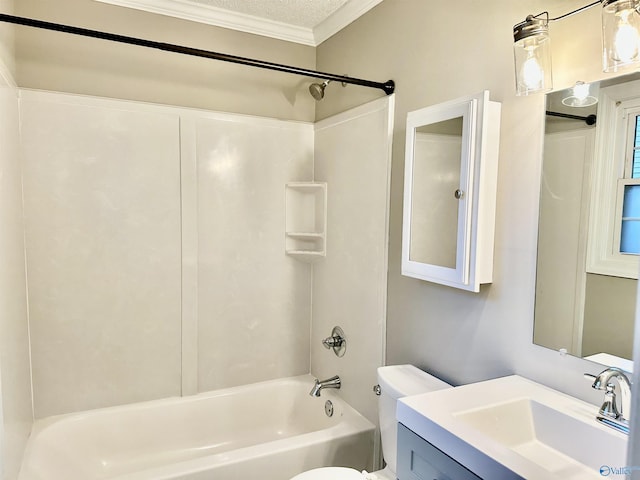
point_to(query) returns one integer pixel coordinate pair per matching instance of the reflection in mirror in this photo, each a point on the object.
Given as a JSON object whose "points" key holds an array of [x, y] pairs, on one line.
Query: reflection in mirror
{"points": [[436, 174], [585, 303]]}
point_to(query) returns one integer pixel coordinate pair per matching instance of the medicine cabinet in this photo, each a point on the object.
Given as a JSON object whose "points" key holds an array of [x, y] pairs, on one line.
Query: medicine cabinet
{"points": [[450, 192], [306, 220]]}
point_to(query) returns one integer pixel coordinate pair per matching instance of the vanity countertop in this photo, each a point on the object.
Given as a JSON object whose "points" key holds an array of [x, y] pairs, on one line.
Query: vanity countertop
{"points": [[513, 427]]}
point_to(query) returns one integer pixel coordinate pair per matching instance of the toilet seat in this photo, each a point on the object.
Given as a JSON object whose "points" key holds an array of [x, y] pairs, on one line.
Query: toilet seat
{"points": [[330, 473], [343, 473]]}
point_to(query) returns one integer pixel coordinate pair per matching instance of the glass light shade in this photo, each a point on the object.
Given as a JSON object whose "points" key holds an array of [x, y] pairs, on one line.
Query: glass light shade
{"points": [[532, 54], [620, 34], [581, 96]]}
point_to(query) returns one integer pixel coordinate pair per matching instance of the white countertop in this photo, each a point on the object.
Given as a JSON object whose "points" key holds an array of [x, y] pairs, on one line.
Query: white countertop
{"points": [[481, 426]]}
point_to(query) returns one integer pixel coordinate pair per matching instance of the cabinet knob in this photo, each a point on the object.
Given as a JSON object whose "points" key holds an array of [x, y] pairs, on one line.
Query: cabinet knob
{"points": [[458, 194]]}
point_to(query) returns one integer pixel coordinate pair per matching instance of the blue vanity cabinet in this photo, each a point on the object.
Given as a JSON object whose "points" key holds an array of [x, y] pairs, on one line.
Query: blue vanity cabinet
{"points": [[419, 460]]}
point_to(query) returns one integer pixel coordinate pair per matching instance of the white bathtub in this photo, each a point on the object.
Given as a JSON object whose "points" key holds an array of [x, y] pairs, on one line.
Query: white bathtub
{"points": [[267, 431]]}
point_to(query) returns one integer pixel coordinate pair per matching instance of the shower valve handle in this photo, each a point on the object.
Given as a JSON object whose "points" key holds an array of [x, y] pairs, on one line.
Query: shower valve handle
{"points": [[336, 342], [333, 342]]}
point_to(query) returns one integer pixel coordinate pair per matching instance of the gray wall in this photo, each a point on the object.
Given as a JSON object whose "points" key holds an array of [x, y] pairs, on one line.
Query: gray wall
{"points": [[436, 53], [7, 38], [609, 314], [67, 63]]}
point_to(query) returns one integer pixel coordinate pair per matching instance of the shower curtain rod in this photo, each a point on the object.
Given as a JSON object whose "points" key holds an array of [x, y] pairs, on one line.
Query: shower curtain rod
{"points": [[388, 87], [589, 119]]}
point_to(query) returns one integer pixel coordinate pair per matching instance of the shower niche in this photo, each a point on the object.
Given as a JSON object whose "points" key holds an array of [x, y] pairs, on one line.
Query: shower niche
{"points": [[306, 220]]}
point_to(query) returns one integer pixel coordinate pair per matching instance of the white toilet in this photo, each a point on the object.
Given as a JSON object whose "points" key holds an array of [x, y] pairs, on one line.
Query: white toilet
{"points": [[395, 381]]}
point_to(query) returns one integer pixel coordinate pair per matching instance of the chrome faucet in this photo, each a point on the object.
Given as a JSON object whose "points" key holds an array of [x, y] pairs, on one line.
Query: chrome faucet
{"points": [[609, 414], [333, 382]]}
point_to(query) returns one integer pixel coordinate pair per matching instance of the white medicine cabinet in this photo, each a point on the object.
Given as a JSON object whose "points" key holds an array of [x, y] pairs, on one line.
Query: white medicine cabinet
{"points": [[306, 220], [450, 192]]}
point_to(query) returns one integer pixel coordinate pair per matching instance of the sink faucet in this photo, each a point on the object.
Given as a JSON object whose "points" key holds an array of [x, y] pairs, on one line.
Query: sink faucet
{"points": [[333, 382], [609, 413]]}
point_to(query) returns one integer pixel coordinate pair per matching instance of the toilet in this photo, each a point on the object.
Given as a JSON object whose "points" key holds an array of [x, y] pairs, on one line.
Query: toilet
{"points": [[396, 381]]}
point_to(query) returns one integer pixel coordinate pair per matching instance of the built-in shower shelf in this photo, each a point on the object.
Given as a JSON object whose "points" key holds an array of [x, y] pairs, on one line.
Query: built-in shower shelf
{"points": [[306, 255], [305, 236], [306, 220]]}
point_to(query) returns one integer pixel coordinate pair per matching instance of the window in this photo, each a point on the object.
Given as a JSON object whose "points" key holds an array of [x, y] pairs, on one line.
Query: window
{"points": [[628, 205], [614, 222], [630, 223]]}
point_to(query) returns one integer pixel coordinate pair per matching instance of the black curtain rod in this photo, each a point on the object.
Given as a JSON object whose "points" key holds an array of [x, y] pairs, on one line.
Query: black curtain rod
{"points": [[388, 87], [589, 119]]}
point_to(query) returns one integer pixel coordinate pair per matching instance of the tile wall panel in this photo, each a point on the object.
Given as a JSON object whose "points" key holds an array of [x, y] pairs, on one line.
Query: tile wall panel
{"points": [[254, 302], [102, 209]]}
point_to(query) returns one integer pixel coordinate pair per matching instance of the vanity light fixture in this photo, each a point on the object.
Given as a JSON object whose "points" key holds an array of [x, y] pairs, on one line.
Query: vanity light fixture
{"points": [[532, 48], [532, 53]]}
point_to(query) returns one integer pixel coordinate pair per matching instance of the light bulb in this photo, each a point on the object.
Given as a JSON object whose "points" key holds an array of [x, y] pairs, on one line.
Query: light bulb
{"points": [[626, 39], [531, 73], [532, 55], [581, 91], [620, 34]]}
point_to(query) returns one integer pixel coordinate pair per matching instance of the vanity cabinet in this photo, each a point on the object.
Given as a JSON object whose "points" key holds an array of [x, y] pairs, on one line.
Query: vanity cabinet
{"points": [[306, 220], [450, 192], [419, 460]]}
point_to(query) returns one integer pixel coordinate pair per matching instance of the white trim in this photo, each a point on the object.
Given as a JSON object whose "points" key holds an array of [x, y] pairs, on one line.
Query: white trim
{"points": [[219, 17], [459, 273], [614, 102], [131, 105], [355, 113]]}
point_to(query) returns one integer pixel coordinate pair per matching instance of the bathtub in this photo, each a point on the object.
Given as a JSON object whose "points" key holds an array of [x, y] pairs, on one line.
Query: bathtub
{"points": [[264, 431]]}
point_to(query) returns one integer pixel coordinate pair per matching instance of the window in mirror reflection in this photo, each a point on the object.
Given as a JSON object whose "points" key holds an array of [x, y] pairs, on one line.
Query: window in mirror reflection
{"points": [[626, 215], [630, 221], [589, 309], [436, 174], [630, 236]]}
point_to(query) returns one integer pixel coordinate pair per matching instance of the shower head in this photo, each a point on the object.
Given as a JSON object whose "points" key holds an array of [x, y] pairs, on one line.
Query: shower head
{"points": [[317, 90]]}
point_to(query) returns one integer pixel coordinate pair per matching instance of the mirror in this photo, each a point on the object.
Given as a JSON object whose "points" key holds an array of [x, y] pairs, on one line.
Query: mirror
{"points": [[585, 303], [449, 192], [436, 174]]}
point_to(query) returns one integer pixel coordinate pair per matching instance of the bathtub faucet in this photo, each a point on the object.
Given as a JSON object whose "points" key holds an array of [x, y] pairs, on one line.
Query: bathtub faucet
{"points": [[333, 382]]}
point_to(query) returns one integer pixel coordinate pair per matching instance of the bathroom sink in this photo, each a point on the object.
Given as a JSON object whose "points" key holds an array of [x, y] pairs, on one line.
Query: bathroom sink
{"points": [[543, 434], [512, 427]]}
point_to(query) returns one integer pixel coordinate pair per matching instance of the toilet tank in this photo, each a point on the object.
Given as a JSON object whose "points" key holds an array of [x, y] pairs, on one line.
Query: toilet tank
{"points": [[398, 381]]}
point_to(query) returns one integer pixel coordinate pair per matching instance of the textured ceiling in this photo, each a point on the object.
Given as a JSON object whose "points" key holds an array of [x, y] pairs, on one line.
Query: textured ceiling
{"points": [[309, 22], [303, 13]]}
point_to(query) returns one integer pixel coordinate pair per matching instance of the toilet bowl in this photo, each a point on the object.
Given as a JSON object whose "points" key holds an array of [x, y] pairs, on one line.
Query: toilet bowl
{"points": [[396, 381]]}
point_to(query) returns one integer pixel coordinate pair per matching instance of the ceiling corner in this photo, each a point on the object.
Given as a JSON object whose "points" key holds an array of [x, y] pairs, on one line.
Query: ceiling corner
{"points": [[227, 18]]}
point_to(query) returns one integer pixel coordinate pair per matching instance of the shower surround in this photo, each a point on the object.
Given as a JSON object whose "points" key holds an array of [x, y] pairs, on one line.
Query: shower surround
{"points": [[155, 249]]}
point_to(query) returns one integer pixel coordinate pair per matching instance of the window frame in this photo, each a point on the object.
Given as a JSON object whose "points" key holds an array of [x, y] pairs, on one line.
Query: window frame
{"points": [[617, 236], [618, 105]]}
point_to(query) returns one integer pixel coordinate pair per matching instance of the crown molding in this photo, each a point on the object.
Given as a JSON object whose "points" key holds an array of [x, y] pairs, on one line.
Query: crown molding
{"points": [[197, 12]]}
